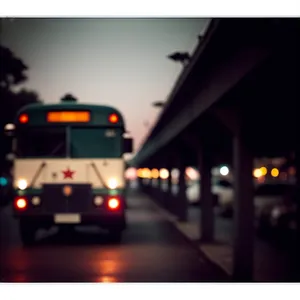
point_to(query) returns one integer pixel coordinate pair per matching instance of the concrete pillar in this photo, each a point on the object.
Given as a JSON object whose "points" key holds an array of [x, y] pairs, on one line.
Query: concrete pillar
{"points": [[147, 184], [296, 270], [182, 204], [206, 196], [159, 180], [243, 254], [143, 182], [162, 192], [140, 183], [152, 183], [169, 180], [150, 166], [159, 191], [168, 199], [169, 187], [155, 190]]}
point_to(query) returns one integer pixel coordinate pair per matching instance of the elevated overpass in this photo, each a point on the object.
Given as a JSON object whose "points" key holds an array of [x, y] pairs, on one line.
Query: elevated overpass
{"points": [[235, 100]]}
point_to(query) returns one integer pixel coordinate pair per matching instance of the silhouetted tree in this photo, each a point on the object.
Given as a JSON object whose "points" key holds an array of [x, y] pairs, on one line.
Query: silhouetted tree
{"points": [[11, 69], [11, 102], [12, 73]]}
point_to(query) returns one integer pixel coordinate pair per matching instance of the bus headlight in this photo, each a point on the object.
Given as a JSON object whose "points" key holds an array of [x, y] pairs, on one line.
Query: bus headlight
{"points": [[22, 184], [112, 183]]}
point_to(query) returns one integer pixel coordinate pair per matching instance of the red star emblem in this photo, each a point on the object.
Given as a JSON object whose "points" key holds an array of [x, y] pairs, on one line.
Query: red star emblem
{"points": [[68, 173]]}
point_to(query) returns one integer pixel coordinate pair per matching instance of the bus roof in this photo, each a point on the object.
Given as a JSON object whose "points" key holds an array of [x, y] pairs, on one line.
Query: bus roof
{"points": [[37, 113]]}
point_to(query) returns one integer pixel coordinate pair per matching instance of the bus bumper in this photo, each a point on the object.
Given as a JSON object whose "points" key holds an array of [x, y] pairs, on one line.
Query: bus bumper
{"points": [[116, 221]]}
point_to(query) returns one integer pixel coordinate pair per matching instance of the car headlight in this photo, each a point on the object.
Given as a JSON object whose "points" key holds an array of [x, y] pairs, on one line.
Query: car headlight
{"points": [[112, 183], [22, 184]]}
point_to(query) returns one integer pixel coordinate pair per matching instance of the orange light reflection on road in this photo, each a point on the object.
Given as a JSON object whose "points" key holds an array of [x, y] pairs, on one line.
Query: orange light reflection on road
{"points": [[108, 269], [20, 278], [106, 279]]}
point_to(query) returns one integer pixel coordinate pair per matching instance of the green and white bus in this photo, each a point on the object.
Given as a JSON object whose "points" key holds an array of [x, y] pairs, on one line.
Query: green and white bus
{"points": [[69, 167]]}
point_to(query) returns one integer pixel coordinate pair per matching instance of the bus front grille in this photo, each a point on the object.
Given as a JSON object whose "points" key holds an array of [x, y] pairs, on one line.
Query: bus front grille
{"points": [[66, 198]]}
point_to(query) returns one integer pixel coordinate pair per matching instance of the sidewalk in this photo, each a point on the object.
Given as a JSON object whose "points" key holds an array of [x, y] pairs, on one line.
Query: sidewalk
{"points": [[271, 264]]}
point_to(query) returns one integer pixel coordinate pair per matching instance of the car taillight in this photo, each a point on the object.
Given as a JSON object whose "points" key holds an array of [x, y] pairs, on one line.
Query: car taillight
{"points": [[113, 203], [20, 203]]}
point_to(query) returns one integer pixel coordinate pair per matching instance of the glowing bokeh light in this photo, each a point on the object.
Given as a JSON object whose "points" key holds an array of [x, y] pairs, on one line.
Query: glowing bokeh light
{"points": [[146, 173], [131, 173], [275, 172], [191, 173], [224, 171], [164, 174], [264, 171], [257, 173], [140, 173], [175, 173], [155, 173]]}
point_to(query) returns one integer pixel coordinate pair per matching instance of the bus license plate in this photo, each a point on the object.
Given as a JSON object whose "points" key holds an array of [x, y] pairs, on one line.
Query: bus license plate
{"points": [[67, 218]]}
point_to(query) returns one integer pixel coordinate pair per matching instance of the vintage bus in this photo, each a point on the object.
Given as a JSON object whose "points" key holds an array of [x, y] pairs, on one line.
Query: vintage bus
{"points": [[69, 167]]}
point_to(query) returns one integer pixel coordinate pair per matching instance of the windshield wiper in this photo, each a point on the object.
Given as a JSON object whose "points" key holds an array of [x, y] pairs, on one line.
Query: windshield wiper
{"points": [[99, 175], [37, 174]]}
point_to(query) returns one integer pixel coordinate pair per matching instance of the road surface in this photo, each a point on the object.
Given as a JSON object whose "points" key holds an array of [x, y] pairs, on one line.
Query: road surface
{"points": [[152, 250]]}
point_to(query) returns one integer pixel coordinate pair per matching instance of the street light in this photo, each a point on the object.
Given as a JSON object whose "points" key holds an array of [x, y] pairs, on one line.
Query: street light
{"points": [[158, 104], [182, 57]]}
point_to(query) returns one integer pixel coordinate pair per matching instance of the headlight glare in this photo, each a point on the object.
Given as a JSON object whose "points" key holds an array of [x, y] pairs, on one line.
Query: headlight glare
{"points": [[22, 184], [112, 183]]}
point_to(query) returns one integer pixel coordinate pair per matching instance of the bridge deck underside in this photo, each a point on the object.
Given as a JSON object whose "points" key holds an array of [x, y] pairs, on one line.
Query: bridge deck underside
{"points": [[266, 100]]}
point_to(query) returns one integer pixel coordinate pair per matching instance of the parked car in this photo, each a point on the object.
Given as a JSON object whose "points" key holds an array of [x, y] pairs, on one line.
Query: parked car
{"points": [[278, 218], [265, 195], [221, 189]]}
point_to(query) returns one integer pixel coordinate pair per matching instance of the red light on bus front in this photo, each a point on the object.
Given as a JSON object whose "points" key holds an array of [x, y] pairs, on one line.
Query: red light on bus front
{"points": [[113, 118], [23, 118], [20, 203], [113, 203]]}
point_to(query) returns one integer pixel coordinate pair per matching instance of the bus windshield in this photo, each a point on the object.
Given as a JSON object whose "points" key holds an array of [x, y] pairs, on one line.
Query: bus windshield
{"points": [[37, 142], [75, 142], [96, 142]]}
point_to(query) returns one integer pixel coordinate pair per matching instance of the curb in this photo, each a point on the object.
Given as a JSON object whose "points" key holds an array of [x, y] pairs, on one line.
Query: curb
{"points": [[195, 243]]}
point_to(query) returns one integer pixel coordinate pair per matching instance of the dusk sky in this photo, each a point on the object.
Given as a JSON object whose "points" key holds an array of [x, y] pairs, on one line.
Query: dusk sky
{"points": [[118, 62]]}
